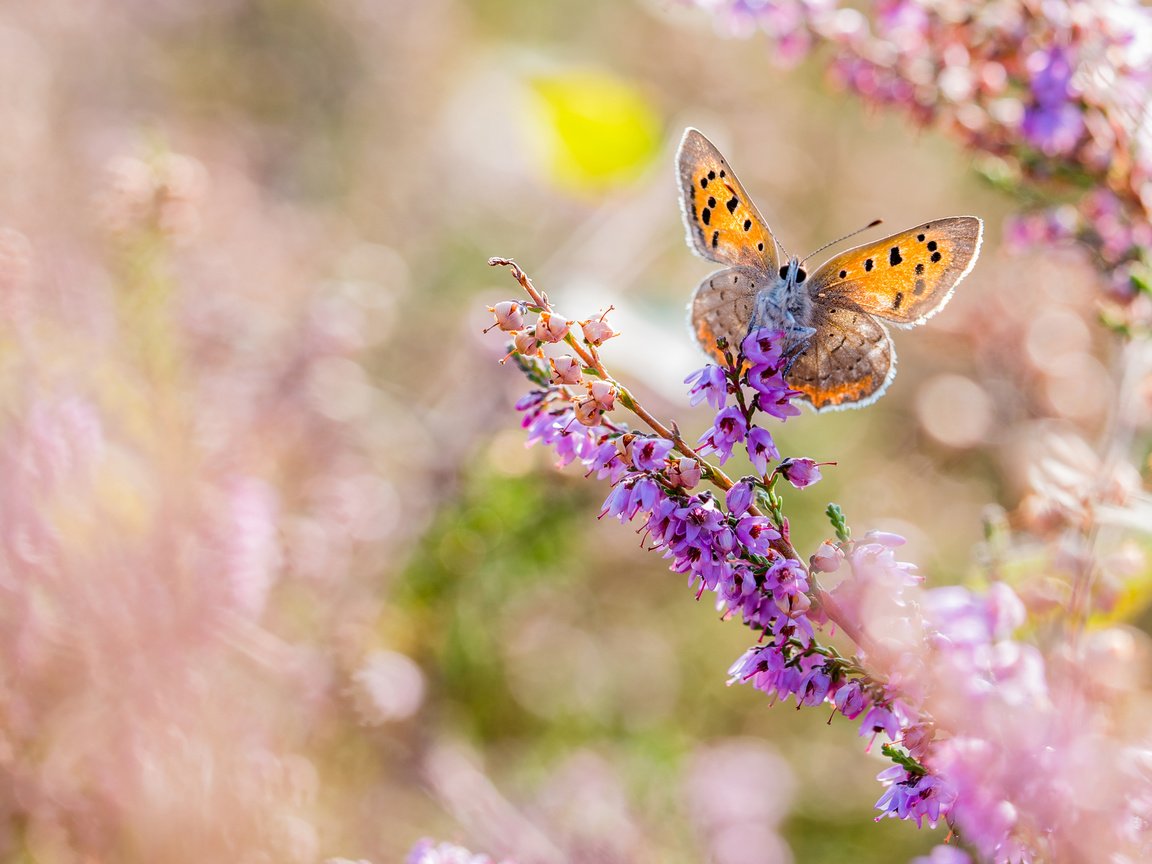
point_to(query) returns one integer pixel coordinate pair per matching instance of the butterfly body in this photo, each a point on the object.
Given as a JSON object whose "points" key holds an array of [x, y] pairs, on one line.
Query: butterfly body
{"points": [[784, 304], [842, 356]]}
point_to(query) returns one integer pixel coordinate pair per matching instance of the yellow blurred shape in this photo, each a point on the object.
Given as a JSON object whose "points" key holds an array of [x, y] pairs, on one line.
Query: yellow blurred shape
{"points": [[597, 130]]}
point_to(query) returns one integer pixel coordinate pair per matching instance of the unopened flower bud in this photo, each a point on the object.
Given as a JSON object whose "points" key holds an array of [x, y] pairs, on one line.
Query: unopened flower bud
{"points": [[588, 412], [827, 558], [794, 605], [509, 315], [800, 472], [604, 394], [526, 343], [684, 473], [597, 331], [739, 498], [566, 370], [551, 328]]}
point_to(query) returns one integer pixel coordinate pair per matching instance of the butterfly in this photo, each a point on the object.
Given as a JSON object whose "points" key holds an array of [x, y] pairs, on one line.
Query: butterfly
{"points": [[841, 356]]}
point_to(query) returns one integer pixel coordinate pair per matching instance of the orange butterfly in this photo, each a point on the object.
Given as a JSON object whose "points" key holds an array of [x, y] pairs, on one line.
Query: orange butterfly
{"points": [[842, 356]]}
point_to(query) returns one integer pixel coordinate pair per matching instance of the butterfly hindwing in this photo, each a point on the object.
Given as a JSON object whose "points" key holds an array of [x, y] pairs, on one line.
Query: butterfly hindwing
{"points": [[906, 278], [722, 307], [722, 222], [847, 363]]}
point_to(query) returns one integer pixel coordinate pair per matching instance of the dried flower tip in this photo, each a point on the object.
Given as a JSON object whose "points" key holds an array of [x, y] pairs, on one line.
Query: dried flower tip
{"points": [[509, 316], [684, 473], [827, 558], [566, 370], [588, 412], [551, 328], [597, 331], [526, 343], [604, 393]]}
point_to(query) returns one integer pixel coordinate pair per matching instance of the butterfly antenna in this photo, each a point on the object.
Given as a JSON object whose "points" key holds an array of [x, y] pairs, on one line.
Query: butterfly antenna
{"points": [[871, 224]]}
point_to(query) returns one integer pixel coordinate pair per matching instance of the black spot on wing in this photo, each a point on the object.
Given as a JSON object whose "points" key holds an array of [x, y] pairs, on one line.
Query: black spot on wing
{"points": [[843, 274], [715, 238], [920, 238], [935, 257], [711, 175], [747, 224], [894, 256], [931, 245], [711, 202], [732, 202], [899, 299], [868, 265], [706, 216], [760, 247], [703, 183], [920, 268]]}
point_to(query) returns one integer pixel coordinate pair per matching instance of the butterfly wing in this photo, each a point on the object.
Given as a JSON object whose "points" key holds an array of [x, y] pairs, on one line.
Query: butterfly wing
{"points": [[848, 362], [906, 278], [722, 222], [722, 307]]}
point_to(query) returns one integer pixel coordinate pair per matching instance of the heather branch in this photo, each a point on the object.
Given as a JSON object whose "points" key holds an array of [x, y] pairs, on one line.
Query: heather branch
{"points": [[782, 545]]}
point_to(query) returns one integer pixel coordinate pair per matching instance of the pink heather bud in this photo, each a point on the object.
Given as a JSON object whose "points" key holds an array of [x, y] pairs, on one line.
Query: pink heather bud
{"points": [[588, 412], [551, 328], [800, 472], [604, 394], [509, 315], [526, 343], [684, 473], [566, 370], [827, 558], [597, 331]]}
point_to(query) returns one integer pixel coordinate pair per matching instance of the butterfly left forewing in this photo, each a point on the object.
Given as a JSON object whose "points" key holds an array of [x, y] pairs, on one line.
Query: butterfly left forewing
{"points": [[723, 224], [906, 278]]}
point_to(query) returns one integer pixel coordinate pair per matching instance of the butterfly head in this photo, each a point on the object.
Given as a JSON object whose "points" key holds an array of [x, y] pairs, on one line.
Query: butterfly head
{"points": [[792, 273]]}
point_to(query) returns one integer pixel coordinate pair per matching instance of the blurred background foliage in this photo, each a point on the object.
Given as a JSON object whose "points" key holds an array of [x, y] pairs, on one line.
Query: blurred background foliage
{"points": [[250, 237]]}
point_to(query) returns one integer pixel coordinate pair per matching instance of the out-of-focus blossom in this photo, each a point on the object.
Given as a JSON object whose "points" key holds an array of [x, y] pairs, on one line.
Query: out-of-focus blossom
{"points": [[430, 852]]}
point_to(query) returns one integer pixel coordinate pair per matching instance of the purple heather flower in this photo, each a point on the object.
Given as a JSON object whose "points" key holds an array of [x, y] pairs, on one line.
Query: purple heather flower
{"points": [[880, 719], [728, 430], [761, 448], [649, 454], [851, 700], [913, 796], [607, 462], [739, 498], [800, 472], [774, 396], [764, 347], [708, 383], [631, 496], [1053, 130], [756, 533], [814, 687]]}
